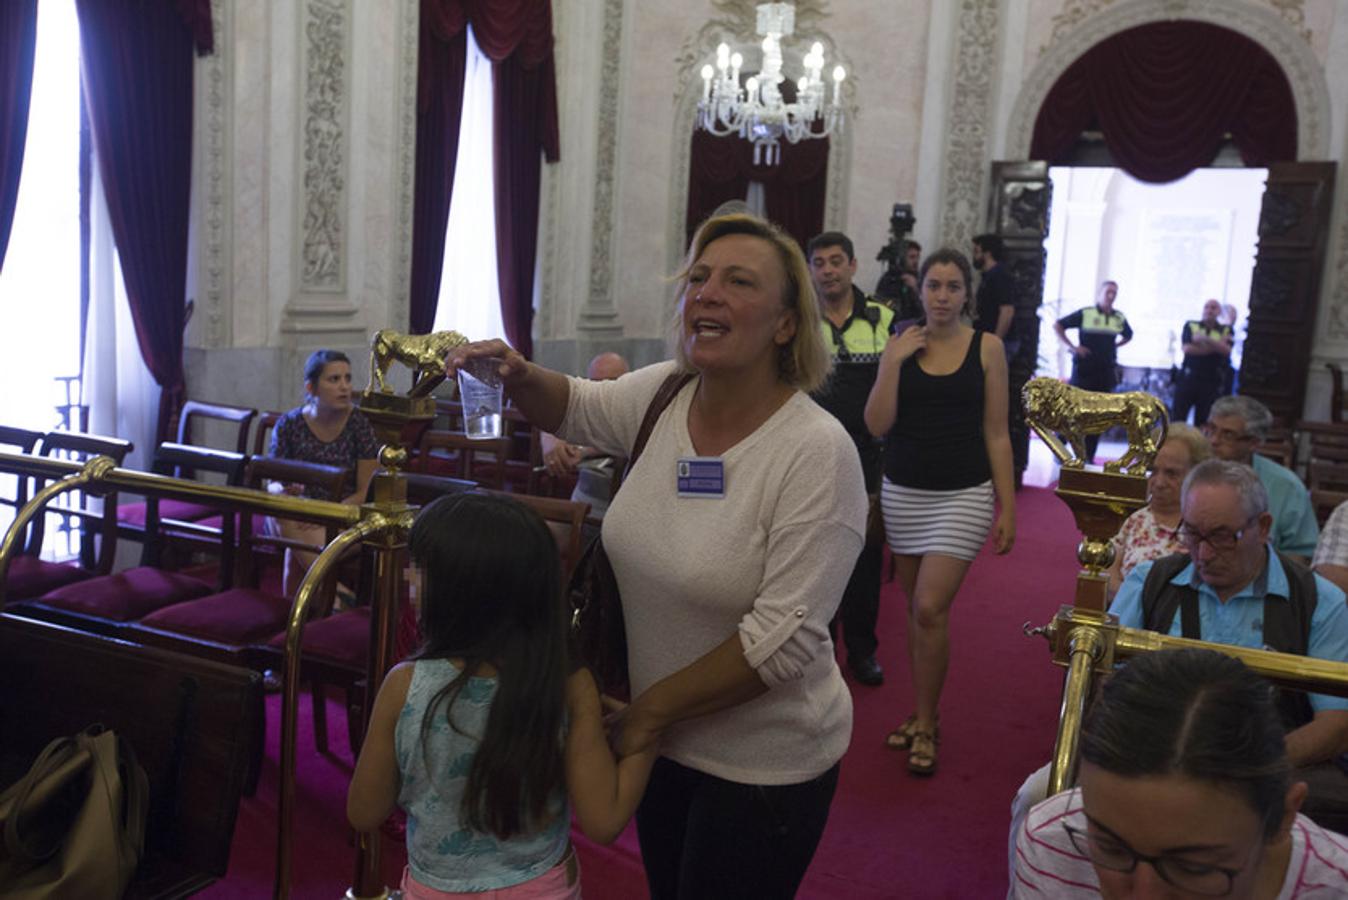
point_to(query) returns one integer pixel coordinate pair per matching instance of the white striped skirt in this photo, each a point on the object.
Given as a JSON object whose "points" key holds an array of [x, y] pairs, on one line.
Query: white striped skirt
{"points": [[951, 523]]}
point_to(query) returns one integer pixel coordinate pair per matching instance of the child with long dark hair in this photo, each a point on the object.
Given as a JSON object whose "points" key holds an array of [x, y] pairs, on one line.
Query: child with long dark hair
{"points": [[482, 736]]}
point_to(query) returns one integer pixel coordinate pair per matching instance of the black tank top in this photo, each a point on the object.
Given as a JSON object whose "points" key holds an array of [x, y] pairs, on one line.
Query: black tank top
{"points": [[936, 443]]}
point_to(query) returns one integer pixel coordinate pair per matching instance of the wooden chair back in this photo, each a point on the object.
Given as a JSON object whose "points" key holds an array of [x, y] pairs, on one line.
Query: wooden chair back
{"points": [[566, 518], [266, 424], [1328, 476], [1279, 445], [197, 415], [95, 516], [15, 440], [1325, 501], [194, 725]]}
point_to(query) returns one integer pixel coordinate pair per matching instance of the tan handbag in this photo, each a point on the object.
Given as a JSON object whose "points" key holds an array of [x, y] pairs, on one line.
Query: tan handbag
{"points": [[74, 825]]}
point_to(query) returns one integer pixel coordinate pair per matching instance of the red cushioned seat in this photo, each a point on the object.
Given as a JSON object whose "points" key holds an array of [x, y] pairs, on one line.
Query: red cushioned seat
{"points": [[29, 577], [126, 596], [238, 616], [182, 510], [342, 639]]}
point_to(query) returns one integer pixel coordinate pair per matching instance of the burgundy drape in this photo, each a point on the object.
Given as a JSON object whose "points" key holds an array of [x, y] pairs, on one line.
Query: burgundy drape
{"points": [[18, 37], [137, 73], [516, 35], [440, 74], [720, 169], [1165, 95]]}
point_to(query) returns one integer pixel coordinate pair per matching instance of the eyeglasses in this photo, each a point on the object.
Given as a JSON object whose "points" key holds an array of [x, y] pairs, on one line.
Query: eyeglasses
{"points": [[1116, 856], [1226, 435], [1217, 538]]}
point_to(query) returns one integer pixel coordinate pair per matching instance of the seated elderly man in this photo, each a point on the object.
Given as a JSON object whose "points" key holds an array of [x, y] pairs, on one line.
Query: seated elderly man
{"points": [[1234, 588], [1235, 427]]}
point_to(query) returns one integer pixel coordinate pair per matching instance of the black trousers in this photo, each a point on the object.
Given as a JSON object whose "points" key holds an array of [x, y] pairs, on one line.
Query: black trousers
{"points": [[1195, 394], [860, 605], [705, 838], [1103, 381]]}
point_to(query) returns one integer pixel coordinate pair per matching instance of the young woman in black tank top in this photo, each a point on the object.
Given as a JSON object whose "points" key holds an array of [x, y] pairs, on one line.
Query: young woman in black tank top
{"points": [[940, 399]]}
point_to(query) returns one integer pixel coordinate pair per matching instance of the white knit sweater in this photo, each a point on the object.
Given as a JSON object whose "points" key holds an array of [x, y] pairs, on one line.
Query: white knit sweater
{"points": [[769, 560]]}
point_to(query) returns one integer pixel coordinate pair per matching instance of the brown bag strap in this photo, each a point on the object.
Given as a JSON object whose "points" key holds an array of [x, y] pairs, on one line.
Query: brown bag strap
{"points": [[669, 389]]}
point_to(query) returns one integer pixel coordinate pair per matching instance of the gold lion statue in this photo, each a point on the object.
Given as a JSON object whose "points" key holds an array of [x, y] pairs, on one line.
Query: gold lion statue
{"points": [[424, 354], [1053, 408]]}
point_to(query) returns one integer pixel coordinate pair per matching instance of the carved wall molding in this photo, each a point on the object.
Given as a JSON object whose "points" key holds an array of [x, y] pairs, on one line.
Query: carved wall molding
{"points": [[325, 97], [399, 303], [735, 25], [968, 131], [213, 270], [599, 315], [1271, 28], [1074, 12]]}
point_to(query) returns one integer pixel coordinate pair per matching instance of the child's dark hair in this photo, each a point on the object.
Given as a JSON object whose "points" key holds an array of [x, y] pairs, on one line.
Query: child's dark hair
{"points": [[318, 361], [491, 594], [1199, 714]]}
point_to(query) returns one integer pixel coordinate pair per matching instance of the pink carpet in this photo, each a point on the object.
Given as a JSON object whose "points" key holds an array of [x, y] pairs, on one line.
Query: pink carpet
{"points": [[889, 835]]}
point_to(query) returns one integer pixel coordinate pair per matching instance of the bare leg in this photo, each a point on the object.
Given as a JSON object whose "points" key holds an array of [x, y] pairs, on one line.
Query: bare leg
{"points": [[938, 579], [906, 568], [298, 561]]}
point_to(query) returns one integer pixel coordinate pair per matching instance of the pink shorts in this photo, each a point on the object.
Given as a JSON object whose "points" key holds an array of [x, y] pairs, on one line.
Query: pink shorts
{"points": [[561, 882]]}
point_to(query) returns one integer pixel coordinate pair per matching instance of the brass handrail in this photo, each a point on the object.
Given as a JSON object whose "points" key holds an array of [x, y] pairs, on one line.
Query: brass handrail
{"points": [[375, 523], [1091, 645]]}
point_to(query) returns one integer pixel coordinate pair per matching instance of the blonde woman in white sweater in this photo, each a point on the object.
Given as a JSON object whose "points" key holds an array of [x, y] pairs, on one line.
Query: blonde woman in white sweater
{"points": [[728, 586]]}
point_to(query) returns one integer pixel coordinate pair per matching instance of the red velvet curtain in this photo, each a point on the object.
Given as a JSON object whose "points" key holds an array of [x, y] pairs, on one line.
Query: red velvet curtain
{"points": [[720, 169], [516, 35], [18, 37], [137, 59], [440, 73], [1165, 95]]}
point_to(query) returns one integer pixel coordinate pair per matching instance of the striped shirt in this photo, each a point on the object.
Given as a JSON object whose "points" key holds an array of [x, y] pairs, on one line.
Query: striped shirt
{"points": [[1047, 865]]}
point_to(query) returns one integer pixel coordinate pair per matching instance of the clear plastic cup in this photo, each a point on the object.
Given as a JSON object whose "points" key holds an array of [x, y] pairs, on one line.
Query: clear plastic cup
{"points": [[480, 392]]}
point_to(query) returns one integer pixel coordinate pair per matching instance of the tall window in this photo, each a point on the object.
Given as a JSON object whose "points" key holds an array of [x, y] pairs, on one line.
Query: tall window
{"points": [[40, 280], [470, 293]]}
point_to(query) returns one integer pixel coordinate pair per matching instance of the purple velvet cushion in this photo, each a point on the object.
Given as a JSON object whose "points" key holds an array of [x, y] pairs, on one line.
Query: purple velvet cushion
{"points": [[236, 616], [183, 510], [29, 576], [343, 638], [127, 595]]}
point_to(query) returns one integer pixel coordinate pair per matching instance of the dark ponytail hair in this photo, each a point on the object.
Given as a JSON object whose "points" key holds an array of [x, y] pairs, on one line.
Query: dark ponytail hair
{"points": [[318, 361], [1199, 714], [492, 595]]}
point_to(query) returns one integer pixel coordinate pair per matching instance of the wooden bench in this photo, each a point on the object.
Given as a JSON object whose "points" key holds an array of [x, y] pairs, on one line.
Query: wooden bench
{"points": [[195, 726]]}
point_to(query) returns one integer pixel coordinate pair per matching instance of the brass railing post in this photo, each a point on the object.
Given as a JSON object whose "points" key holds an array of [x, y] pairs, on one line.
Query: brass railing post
{"points": [[1085, 646]]}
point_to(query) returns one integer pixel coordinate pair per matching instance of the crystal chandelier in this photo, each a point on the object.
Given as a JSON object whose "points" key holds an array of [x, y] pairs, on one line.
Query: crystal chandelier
{"points": [[758, 111]]}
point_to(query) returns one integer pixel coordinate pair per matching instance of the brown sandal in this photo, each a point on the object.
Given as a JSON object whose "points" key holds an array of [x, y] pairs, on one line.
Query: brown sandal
{"points": [[922, 752], [901, 737]]}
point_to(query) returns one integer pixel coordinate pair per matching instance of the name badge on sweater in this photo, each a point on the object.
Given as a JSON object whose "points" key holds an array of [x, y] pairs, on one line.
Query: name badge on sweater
{"points": [[700, 476]]}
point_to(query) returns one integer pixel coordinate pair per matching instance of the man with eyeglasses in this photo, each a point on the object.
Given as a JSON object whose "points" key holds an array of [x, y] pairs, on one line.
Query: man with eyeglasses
{"points": [[1232, 587], [1235, 427]]}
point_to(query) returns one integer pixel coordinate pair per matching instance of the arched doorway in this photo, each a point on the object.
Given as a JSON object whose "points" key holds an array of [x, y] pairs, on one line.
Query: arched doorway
{"points": [[1297, 200]]}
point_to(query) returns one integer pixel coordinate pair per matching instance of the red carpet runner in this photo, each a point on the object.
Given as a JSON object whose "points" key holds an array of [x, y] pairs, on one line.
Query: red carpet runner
{"points": [[890, 834]]}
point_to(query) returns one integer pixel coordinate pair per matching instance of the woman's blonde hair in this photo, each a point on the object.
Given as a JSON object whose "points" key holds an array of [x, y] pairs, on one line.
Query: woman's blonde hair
{"points": [[1191, 438], [803, 362]]}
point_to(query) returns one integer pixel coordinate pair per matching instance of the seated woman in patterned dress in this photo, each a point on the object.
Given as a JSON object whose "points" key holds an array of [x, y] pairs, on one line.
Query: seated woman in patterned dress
{"points": [[1149, 533], [327, 429]]}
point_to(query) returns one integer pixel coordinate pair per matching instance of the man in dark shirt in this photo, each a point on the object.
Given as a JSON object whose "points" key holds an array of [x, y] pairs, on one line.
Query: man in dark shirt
{"points": [[995, 302], [855, 331], [1207, 349], [1101, 331]]}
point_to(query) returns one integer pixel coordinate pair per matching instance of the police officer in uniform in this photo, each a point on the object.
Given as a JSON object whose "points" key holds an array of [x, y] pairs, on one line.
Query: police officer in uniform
{"points": [[1101, 331], [855, 329], [1207, 350]]}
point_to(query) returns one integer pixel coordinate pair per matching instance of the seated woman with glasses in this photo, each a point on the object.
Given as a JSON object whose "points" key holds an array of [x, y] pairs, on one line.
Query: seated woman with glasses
{"points": [[1149, 533], [1185, 790]]}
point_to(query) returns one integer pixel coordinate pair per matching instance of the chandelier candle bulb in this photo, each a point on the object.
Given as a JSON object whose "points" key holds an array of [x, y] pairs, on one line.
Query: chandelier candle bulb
{"points": [[757, 111]]}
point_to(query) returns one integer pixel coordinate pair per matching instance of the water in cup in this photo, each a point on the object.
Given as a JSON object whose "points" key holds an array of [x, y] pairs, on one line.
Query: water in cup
{"points": [[480, 392]]}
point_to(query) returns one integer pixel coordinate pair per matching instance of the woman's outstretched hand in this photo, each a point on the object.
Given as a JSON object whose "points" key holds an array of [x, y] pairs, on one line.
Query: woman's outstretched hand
{"points": [[514, 367]]}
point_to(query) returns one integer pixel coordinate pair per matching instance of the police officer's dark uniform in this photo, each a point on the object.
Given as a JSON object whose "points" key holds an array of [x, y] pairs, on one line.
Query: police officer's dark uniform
{"points": [[1200, 380]]}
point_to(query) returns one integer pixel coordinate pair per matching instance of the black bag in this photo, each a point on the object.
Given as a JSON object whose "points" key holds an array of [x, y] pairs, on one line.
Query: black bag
{"points": [[598, 632]]}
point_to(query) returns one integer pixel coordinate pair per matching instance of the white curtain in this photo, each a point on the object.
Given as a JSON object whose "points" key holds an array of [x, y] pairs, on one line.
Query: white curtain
{"points": [[470, 295], [121, 394], [756, 198]]}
